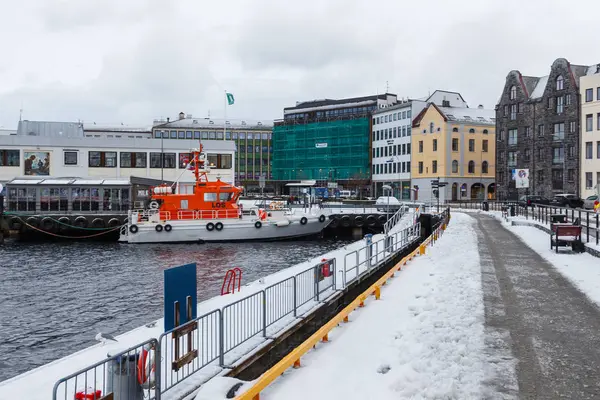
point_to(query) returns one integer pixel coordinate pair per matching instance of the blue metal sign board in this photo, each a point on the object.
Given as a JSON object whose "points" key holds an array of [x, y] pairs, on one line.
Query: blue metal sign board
{"points": [[179, 291]]}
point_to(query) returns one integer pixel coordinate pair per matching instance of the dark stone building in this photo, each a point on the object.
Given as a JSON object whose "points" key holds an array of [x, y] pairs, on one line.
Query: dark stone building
{"points": [[537, 128]]}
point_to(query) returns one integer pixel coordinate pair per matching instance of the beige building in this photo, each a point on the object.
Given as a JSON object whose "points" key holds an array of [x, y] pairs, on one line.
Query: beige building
{"points": [[589, 88], [458, 146]]}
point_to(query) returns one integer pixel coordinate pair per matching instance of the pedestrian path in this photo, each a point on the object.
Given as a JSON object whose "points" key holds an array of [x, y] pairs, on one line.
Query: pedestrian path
{"points": [[536, 315]]}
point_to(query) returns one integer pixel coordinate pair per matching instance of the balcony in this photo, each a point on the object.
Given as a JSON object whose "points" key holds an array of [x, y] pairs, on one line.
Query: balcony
{"points": [[512, 163], [557, 185], [558, 160], [558, 137]]}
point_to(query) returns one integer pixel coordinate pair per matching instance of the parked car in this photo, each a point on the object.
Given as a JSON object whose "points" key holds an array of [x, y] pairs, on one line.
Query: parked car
{"points": [[531, 200], [567, 200], [383, 201], [588, 203]]}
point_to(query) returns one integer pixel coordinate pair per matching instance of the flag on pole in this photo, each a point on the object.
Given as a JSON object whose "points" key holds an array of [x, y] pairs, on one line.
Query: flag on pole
{"points": [[230, 99]]}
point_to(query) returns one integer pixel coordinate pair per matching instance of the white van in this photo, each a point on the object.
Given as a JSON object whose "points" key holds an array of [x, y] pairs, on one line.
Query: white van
{"points": [[344, 194], [383, 202]]}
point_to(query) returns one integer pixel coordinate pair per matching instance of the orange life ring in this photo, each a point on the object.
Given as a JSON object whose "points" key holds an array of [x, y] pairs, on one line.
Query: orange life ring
{"points": [[146, 367]]}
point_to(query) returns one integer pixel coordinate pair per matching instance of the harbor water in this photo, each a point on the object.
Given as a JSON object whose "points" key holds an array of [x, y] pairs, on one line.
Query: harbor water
{"points": [[55, 297]]}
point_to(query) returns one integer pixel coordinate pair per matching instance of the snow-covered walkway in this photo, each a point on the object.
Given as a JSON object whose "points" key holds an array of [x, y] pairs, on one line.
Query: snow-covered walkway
{"points": [[423, 339]]}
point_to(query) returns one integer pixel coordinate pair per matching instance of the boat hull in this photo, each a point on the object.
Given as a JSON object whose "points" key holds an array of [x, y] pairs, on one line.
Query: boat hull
{"points": [[233, 230]]}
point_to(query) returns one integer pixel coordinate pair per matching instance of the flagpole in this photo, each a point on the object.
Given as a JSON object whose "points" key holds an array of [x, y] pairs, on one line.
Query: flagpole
{"points": [[225, 113]]}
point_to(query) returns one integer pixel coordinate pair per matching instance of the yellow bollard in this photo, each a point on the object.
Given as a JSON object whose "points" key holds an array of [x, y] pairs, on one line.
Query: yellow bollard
{"points": [[377, 293], [422, 249]]}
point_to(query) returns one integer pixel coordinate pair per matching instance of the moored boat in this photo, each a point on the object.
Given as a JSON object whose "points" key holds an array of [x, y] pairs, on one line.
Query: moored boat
{"points": [[211, 213]]}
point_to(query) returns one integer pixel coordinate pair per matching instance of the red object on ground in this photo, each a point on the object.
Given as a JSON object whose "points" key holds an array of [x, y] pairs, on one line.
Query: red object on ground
{"points": [[88, 396], [231, 277], [326, 270]]}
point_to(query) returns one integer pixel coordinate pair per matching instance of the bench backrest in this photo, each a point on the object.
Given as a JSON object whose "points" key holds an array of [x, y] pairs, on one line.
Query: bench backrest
{"points": [[568, 230]]}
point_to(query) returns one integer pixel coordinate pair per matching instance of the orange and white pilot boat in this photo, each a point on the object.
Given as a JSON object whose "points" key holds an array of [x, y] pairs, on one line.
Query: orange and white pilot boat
{"points": [[211, 213]]}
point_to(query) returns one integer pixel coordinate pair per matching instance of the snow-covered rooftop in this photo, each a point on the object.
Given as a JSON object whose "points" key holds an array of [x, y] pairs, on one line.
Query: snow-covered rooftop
{"points": [[470, 115], [539, 88]]}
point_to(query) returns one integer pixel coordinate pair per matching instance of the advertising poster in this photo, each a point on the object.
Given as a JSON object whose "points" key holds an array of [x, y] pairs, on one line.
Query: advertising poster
{"points": [[37, 163]]}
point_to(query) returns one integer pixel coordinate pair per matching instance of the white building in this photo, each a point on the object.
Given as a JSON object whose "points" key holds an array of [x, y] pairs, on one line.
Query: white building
{"points": [[589, 87], [391, 138], [58, 149]]}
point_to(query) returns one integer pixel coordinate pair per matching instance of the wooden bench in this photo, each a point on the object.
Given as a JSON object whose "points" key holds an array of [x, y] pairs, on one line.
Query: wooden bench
{"points": [[565, 235]]}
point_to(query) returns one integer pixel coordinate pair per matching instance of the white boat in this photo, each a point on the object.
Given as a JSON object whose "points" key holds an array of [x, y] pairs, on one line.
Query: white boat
{"points": [[212, 214]]}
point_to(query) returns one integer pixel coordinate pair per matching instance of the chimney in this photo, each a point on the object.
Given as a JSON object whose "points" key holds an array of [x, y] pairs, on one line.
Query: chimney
{"points": [[168, 119], [597, 68], [480, 106], [181, 115]]}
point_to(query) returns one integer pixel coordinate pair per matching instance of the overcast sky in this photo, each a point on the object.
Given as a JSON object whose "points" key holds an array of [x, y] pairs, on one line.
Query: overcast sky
{"points": [[114, 61]]}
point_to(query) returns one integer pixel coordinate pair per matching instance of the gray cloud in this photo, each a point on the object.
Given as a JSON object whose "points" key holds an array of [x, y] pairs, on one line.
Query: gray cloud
{"points": [[115, 61]]}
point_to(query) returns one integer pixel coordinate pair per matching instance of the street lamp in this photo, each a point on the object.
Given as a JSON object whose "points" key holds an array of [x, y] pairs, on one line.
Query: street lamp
{"points": [[388, 188]]}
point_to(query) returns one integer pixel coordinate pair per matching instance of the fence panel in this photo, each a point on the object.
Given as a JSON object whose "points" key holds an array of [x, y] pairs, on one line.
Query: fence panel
{"points": [[117, 374], [204, 340], [280, 299], [325, 276], [242, 320], [305, 287]]}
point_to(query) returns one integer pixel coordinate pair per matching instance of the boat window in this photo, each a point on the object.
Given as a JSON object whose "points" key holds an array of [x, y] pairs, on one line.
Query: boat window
{"points": [[225, 196], [210, 197], [184, 205]]}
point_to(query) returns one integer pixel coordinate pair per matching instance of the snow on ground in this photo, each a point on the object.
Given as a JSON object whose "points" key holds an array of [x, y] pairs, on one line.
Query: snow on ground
{"points": [[423, 340], [38, 383], [582, 269]]}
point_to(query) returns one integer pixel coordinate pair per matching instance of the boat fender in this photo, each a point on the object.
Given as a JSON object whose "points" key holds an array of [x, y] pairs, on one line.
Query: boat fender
{"points": [[32, 221], [257, 224], [98, 223], [48, 224], [168, 228], [146, 368], [210, 226], [158, 228], [303, 220], [154, 205], [81, 222], [113, 223], [219, 226], [283, 222], [15, 223], [322, 218], [133, 229]]}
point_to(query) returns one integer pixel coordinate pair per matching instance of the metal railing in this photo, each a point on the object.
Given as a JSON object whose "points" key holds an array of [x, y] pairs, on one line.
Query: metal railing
{"points": [[588, 220], [223, 336], [117, 374]]}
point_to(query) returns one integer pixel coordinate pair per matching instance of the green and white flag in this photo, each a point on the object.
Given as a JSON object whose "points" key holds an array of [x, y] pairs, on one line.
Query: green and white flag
{"points": [[230, 99]]}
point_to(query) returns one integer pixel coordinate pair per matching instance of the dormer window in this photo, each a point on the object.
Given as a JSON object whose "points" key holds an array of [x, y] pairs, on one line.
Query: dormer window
{"points": [[513, 92], [560, 83]]}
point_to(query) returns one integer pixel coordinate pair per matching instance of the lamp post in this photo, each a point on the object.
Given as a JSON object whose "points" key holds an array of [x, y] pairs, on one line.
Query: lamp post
{"points": [[388, 188]]}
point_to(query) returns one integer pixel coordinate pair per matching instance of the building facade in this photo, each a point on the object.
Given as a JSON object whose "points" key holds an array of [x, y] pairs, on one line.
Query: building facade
{"points": [[327, 141], [57, 149], [538, 129], [456, 145], [253, 140], [391, 141], [589, 93]]}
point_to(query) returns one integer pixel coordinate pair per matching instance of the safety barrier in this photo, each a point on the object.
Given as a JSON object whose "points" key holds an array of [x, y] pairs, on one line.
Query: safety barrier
{"points": [[221, 337], [293, 358], [119, 374]]}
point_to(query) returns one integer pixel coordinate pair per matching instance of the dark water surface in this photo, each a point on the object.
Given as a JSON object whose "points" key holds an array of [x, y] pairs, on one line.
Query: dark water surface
{"points": [[55, 297]]}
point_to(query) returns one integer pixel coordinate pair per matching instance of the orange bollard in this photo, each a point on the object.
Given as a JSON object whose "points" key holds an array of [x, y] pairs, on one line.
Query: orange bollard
{"points": [[325, 338], [257, 397], [346, 318], [297, 363]]}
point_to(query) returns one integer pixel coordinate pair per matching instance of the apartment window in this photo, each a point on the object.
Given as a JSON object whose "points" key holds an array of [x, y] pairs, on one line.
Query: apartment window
{"points": [[133, 160], [420, 146], [598, 93], [454, 167], [501, 135], [540, 176], [485, 131], [568, 99], [501, 155], [589, 180], [454, 129], [572, 126], [434, 167], [527, 131], [484, 146], [471, 130], [598, 178], [454, 144], [589, 95], [168, 160], [571, 151], [501, 177], [539, 153], [408, 148], [559, 131], [588, 151], [527, 155], [598, 121], [513, 92], [407, 167], [434, 144], [540, 130], [512, 137], [484, 167], [513, 112], [570, 175], [70, 157], [560, 83], [471, 167], [512, 158], [598, 150], [589, 123], [102, 159], [420, 167], [505, 110], [431, 127], [550, 102], [557, 178], [560, 104], [471, 144], [558, 155]]}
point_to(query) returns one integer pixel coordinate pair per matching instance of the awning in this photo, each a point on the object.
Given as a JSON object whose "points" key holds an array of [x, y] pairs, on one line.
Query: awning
{"points": [[302, 183]]}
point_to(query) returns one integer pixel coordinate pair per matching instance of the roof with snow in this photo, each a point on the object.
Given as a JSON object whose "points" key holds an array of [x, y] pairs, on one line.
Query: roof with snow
{"points": [[471, 116], [213, 123]]}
